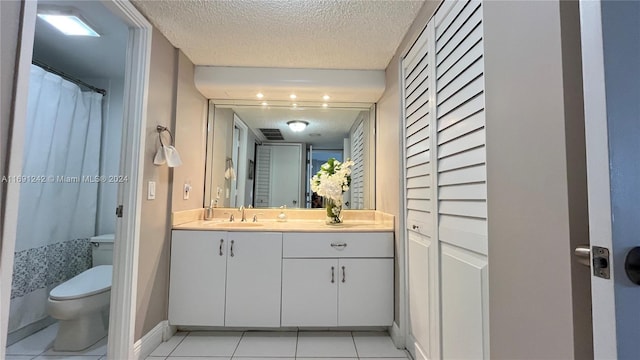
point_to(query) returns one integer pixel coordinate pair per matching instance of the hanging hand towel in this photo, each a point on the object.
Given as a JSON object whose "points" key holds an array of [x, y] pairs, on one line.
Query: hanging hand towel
{"points": [[172, 156], [229, 173], [159, 159]]}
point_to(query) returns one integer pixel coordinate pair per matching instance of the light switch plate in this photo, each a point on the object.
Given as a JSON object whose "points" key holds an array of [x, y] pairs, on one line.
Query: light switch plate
{"points": [[151, 190], [186, 191]]}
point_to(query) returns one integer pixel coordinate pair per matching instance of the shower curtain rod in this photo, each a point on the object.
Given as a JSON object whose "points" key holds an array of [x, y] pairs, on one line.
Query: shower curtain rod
{"points": [[68, 77]]}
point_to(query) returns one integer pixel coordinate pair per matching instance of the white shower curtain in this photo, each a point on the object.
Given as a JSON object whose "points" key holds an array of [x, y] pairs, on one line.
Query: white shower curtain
{"points": [[59, 192]]}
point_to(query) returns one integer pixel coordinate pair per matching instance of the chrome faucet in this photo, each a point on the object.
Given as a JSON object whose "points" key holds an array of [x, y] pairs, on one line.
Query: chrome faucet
{"points": [[244, 216]]}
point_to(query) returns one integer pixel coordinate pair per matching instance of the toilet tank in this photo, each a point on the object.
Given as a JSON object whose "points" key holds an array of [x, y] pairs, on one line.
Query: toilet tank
{"points": [[102, 249]]}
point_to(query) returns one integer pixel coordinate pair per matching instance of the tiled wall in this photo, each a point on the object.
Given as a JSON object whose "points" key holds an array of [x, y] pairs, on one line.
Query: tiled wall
{"points": [[47, 265]]}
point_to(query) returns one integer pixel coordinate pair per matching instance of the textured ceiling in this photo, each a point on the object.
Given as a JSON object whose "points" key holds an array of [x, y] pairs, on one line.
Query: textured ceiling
{"points": [[323, 34]]}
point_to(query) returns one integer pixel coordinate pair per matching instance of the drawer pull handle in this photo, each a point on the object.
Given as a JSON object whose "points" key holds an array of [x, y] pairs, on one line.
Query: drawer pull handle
{"points": [[344, 275], [220, 251], [231, 253], [339, 246], [333, 275]]}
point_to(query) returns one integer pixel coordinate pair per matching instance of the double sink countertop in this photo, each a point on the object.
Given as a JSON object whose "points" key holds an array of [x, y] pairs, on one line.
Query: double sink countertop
{"points": [[298, 220]]}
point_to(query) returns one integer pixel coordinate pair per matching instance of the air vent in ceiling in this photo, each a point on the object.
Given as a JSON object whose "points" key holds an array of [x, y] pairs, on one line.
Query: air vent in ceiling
{"points": [[272, 134]]}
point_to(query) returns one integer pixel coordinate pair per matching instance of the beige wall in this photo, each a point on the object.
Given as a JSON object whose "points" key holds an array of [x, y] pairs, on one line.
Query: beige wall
{"points": [[535, 178], [191, 138], [153, 262], [388, 138]]}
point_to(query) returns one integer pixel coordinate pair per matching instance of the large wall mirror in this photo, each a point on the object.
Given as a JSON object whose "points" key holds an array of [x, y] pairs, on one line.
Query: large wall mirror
{"points": [[255, 158]]}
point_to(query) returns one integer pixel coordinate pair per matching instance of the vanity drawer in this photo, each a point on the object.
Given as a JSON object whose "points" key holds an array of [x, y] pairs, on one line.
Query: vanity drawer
{"points": [[323, 245]]}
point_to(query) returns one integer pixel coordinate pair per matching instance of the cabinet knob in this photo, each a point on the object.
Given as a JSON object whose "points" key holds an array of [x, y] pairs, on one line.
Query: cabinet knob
{"points": [[231, 250], [220, 251], [333, 275], [344, 275]]}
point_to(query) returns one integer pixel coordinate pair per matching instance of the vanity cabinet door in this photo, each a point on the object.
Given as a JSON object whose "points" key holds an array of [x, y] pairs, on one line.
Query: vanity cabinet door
{"points": [[254, 264], [365, 292], [310, 292], [198, 268]]}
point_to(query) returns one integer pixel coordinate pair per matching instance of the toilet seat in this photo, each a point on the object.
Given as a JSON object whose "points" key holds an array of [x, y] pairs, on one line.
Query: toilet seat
{"points": [[92, 281]]}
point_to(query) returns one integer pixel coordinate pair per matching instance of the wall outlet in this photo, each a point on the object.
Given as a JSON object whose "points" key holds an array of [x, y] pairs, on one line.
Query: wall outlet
{"points": [[186, 191]]}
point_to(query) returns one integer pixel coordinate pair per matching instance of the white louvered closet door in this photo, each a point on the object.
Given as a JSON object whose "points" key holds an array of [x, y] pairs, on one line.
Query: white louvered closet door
{"points": [[357, 172], [455, 219], [462, 188], [422, 246]]}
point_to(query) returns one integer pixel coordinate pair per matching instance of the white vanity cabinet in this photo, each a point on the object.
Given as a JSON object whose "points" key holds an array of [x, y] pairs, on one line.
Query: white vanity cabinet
{"points": [[198, 277], [337, 279], [223, 278]]}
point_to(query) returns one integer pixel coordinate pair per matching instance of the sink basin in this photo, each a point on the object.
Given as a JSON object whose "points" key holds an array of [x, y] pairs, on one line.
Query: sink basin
{"points": [[236, 224]]}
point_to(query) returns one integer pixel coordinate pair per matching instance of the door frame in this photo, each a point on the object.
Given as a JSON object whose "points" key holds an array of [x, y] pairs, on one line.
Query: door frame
{"points": [[125, 274]]}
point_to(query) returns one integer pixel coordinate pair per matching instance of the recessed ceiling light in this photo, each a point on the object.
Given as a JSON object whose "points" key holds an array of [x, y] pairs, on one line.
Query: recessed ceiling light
{"points": [[264, 103], [260, 95], [294, 105], [297, 125], [326, 97], [292, 96], [68, 23], [325, 105]]}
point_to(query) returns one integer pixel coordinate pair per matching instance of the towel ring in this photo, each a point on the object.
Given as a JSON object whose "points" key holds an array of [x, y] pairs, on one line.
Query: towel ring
{"points": [[162, 129]]}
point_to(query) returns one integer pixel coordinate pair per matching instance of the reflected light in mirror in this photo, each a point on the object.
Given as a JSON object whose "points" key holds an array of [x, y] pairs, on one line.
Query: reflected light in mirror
{"points": [[297, 125]]}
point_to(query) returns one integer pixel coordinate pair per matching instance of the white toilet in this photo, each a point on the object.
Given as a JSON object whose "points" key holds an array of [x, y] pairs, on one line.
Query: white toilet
{"points": [[81, 304]]}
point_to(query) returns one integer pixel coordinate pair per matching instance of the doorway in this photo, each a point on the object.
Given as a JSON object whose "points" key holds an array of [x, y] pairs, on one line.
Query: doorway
{"points": [[134, 82]]}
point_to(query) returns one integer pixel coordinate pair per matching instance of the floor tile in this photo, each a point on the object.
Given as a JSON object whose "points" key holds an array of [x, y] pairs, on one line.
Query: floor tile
{"points": [[376, 344], [166, 347], [200, 358], [265, 358], [67, 357], [205, 343], [324, 358], [325, 344], [97, 349], [35, 344], [267, 344]]}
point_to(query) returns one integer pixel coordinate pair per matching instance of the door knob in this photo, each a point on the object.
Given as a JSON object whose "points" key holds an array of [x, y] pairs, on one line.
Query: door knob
{"points": [[632, 265]]}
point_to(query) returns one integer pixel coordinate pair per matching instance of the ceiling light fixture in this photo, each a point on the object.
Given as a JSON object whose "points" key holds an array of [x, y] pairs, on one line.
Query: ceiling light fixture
{"points": [[325, 105], [292, 96], [260, 95], [326, 97], [264, 103], [67, 22], [297, 125]]}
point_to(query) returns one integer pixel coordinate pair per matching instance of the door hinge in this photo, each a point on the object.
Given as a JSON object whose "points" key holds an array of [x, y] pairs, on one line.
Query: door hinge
{"points": [[119, 211]]}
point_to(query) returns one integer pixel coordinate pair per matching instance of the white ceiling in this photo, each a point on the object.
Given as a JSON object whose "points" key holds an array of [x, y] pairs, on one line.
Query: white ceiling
{"points": [[333, 125], [321, 34], [80, 56]]}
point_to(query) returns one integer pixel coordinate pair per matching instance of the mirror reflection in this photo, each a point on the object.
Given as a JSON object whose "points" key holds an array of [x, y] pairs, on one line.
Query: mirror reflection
{"points": [[265, 155]]}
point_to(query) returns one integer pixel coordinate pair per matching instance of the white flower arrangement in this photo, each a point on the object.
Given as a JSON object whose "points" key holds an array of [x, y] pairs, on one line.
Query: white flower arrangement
{"points": [[333, 180]]}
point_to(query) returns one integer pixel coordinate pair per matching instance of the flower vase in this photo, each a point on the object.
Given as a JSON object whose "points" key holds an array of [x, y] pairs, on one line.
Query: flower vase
{"points": [[334, 212]]}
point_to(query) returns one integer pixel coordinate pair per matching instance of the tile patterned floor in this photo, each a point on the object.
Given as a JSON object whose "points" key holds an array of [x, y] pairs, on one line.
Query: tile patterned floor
{"points": [[39, 346], [265, 345], [221, 345]]}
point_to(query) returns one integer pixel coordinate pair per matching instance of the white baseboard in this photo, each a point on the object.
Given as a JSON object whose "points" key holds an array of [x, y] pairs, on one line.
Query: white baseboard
{"points": [[396, 336], [151, 340]]}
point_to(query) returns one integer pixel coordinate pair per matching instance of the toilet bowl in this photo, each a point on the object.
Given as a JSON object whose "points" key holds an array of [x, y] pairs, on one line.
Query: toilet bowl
{"points": [[81, 304]]}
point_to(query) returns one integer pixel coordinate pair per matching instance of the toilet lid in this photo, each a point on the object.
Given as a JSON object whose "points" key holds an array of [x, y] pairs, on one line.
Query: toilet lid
{"points": [[90, 282]]}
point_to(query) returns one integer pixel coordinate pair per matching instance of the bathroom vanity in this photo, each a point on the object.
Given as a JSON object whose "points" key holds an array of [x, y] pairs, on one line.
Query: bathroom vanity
{"points": [[299, 273]]}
